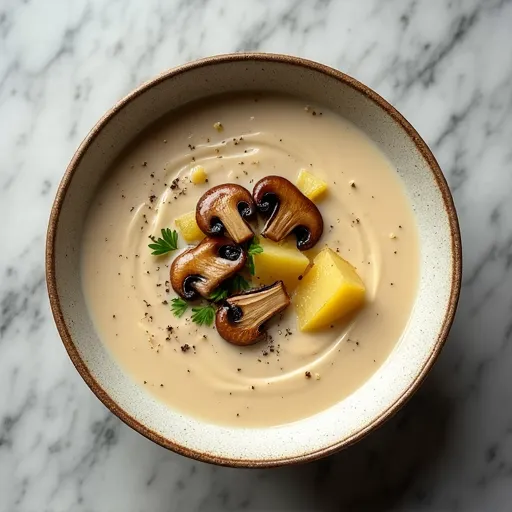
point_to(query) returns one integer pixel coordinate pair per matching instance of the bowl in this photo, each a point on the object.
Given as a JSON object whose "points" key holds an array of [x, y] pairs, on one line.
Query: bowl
{"points": [[431, 317]]}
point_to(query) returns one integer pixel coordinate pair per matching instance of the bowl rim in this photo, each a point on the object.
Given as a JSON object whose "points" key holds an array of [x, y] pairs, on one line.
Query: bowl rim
{"points": [[80, 365]]}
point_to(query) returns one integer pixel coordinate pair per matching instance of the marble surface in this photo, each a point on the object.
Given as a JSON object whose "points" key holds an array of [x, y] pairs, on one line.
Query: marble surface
{"points": [[447, 65]]}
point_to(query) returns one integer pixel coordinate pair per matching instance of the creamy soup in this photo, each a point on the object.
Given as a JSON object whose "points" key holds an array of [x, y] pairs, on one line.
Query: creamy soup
{"points": [[290, 374]]}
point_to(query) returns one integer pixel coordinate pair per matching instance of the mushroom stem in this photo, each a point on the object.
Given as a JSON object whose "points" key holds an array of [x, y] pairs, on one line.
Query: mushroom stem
{"points": [[281, 226], [224, 208], [241, 318]]}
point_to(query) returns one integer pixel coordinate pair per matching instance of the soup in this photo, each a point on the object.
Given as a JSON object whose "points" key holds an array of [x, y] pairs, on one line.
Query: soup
{"points": [[290, 374]]}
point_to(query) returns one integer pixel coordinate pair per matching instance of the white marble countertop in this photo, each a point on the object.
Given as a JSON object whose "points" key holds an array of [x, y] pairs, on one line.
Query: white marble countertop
{"points": [[447, 65]]}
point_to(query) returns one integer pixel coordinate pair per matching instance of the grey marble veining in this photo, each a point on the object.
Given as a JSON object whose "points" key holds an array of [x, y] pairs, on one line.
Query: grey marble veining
{"points": [[447, 65]]}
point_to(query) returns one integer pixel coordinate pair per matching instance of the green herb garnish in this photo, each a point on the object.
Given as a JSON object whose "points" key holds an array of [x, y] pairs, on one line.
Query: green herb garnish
{"points": [[219, 294], [234, 285], [178, 307], [203, 315], [168, 242], [239, 284], [254, 248]]}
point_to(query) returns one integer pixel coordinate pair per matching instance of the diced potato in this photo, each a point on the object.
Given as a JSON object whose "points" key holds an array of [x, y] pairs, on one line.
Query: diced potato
{"points": [[198, 175], [311, 186], [188, 227], [330, 290], [279, 261]]}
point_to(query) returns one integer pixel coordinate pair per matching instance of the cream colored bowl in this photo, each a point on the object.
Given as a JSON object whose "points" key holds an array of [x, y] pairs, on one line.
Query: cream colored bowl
{"points": [[388, 388]]}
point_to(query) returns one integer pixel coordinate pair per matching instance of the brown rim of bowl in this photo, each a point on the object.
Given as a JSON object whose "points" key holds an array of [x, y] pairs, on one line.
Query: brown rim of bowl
{"points": [[81, 366]]}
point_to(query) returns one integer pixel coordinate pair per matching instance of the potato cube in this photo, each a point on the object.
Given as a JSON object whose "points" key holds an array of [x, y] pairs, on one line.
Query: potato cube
{"points": [[311, 186], [330, 290], [198, 175], [188, 227], [279, 261]]}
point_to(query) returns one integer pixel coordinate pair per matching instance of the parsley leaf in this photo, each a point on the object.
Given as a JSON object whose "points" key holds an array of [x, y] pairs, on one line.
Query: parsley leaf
{"points": [[203, 315], [219, 294], [254, 248], [232, 286], [168, 242], [239, 284], [178, 307]]}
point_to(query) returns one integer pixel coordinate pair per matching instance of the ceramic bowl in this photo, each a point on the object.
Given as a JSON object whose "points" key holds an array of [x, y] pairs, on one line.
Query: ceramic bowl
{"points": [[387, 389]]}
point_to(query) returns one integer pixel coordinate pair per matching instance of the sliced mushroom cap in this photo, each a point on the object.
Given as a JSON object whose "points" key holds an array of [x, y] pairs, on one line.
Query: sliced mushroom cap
{"points": [[200, 270], [224, 209], [240, 319], [288, 210]]}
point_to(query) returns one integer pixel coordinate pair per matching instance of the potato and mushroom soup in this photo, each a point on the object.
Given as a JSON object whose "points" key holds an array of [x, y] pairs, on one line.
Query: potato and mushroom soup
{"points": [[347, 310]]}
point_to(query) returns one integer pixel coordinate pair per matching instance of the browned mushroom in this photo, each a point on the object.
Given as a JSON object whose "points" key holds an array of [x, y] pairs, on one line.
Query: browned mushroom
{"points": [[288, 210], [240, 319], [224, 208], [200, 270]]}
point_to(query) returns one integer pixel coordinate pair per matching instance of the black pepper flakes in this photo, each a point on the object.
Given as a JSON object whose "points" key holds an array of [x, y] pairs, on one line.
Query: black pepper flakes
{"points": [[185, 348], [308, 375]]}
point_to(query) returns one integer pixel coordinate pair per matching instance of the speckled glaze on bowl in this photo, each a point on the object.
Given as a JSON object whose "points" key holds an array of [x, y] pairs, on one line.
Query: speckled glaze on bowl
{"points": [[387, 389]]}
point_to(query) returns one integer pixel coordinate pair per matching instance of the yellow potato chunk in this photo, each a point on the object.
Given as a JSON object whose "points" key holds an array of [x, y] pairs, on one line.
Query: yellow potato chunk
{"points": [[279, 261], [198, 175], [330, 290], [311, 186], [188, 227]]}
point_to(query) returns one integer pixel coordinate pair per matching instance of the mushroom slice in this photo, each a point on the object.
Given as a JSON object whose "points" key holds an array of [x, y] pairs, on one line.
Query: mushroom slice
{"points": [[201, 269], [240, 319], [288, 210], [224, 208]]}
